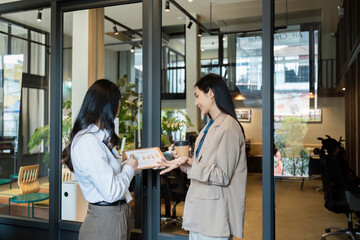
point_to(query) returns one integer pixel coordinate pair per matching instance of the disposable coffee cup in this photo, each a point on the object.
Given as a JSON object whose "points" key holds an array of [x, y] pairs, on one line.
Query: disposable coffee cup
{"points": [[182, 148]]}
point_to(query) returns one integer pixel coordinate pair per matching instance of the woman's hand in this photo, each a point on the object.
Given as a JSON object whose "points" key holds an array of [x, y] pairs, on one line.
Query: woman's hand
{"points": [[170, 165], [132, 162]]}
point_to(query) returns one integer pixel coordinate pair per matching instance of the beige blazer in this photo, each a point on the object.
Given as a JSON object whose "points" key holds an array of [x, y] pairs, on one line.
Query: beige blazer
{"points": [[215, 201]]}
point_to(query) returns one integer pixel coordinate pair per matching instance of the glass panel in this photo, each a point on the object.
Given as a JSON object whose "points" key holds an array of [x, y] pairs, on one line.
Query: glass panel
{"points": [[209, 49], [37, 58], [173, 84], [4, 26], [304, 110], [248, 103], [23, 139], [20, 46], [176, 114], [123, 66]]}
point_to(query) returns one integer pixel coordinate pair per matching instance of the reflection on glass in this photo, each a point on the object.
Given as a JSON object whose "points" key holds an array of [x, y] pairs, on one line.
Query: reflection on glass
{"points": [[28, 89], [12, 94], [122, 65], [302, 114]]}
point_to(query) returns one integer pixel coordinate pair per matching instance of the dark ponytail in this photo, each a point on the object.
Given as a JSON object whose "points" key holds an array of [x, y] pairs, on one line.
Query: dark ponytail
{"points": [[100, 105], [221, 92]]}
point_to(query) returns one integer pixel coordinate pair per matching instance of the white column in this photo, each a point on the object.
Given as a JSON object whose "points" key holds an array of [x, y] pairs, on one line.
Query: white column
{"points": [[87, 53], [80, 59], [192, 56]]}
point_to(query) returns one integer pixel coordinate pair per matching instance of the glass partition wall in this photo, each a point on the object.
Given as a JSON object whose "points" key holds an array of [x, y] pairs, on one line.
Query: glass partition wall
{"points": [[121, 46], [189, 52], [307, 103], [24, 70]]}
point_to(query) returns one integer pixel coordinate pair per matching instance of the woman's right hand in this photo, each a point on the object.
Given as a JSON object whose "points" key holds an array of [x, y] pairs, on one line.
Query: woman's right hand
{"points": [[170, 165], [132, 162]]}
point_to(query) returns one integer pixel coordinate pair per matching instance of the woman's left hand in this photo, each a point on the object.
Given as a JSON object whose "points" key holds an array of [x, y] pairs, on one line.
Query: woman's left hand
{"points": [[170, 165]]}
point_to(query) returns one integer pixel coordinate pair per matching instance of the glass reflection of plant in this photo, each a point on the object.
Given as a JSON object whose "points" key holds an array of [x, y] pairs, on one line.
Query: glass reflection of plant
{"points": [[294, 157], [130, 105], [172, 120], [42, 134]]}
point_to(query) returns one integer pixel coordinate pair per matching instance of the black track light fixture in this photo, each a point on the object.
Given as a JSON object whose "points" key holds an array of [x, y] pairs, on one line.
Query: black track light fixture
{"points": [[189, 24], [167, 6], [39, 15], [115, 30]]}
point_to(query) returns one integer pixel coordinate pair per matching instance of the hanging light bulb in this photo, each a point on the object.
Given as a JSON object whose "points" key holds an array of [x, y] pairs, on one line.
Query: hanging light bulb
{"points": [[239, 97], [167, 6], [39, 15], [132, 49]]}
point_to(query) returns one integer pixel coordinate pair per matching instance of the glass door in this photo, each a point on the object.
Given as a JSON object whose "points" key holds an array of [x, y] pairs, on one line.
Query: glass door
{"points": [[105, 43]]}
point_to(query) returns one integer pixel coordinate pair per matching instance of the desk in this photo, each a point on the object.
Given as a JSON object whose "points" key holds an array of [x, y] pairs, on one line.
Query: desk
{"points": [[29, 198]]}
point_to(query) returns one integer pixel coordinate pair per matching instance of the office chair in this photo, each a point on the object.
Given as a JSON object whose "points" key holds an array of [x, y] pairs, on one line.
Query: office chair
{"points": [[175, 193], [335, 185]]}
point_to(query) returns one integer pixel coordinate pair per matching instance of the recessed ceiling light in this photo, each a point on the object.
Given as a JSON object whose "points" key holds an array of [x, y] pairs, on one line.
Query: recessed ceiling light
{"points": [[180, 18]]}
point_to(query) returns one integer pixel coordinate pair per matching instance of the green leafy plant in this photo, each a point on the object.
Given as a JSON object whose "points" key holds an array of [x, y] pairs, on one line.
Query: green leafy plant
{"points": [[173, 120], [42, 134], [130, 105]]}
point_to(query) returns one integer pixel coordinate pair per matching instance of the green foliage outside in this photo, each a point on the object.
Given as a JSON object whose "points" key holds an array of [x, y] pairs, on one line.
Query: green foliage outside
{"points": [[42, 134], [289, 141]]}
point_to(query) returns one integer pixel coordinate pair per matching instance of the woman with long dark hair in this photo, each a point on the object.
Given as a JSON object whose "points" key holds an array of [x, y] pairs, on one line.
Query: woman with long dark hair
{"points": [[215, 201], [91, 155]]}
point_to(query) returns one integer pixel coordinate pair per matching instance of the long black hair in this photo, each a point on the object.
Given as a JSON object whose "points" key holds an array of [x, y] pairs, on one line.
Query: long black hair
{"points": [[100, 105], [221, 92]]}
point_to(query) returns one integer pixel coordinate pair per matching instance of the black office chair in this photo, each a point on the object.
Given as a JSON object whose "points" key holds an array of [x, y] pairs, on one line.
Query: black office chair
{"points": [[176, 188], [335, 184]]}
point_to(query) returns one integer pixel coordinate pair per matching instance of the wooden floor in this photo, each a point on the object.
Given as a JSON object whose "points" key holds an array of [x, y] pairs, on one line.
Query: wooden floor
{"points": [[21, 210]]}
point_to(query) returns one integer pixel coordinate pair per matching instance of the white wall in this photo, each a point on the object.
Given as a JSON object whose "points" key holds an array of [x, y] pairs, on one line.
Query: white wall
{"points": [[333, 122]]}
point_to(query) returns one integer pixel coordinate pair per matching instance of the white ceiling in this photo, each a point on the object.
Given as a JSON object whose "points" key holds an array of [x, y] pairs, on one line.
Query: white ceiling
{"points": [[228, 14]]}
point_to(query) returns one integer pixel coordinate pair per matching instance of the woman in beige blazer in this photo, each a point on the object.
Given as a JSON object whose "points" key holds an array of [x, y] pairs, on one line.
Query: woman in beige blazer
{"points": [[215, 201]]}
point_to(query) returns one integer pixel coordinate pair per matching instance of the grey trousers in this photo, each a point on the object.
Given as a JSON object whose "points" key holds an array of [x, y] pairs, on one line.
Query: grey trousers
{"points": [[106, 223]]}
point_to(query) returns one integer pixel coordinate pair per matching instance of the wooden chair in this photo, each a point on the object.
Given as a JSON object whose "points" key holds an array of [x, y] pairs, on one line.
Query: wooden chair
{"points": [[29, 187], [28, 179]]}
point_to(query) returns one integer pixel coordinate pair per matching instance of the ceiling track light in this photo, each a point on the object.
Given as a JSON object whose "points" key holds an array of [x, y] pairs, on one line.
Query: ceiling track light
{"points": [[189, 24], [115, 30], [167, 6], [199, 34], [39, 15], [132, 49]]}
